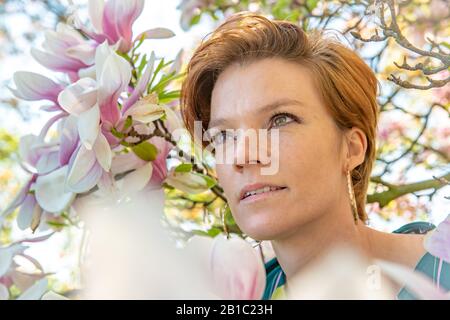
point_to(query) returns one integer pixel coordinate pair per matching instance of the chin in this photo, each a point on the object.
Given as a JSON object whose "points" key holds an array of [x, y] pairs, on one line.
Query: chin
{"points": [[260, 230]]}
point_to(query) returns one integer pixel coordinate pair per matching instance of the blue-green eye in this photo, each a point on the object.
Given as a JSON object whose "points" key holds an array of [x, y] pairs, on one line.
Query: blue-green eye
{"points": [[221, 137], [282, 119]]}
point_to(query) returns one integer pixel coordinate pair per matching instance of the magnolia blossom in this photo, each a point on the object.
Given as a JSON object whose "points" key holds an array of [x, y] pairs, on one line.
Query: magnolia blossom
{"points": [[112, 21], [11, 275], [65, 50], [237, 269], [91, 103], [44, 191]]}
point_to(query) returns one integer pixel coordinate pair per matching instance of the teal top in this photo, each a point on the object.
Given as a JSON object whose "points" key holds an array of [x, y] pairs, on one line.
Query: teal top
{"points": [[433, 267]]}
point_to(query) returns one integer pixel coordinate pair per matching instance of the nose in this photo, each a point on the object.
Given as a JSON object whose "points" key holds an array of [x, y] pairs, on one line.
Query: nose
{"points": [[247, 151]]}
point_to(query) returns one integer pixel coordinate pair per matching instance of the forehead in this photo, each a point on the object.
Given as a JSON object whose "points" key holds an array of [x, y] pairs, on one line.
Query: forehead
{"points": [[242, 89]]}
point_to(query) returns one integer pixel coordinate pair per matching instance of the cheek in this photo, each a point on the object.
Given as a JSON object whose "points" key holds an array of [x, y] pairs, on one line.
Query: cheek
{"points": [[224, 176], [308, 163]]}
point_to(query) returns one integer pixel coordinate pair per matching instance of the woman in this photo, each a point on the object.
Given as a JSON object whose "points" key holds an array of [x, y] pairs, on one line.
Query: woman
{"points": [[254, 73]]}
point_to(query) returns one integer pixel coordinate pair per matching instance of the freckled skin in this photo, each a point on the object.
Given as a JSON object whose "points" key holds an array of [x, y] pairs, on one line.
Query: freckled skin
{"points": [[311, 152]]}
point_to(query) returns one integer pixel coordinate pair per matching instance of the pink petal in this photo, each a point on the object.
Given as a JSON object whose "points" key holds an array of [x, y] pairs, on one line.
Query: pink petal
{"points": [[118, 19], [56, 62], [159, 164], [96, 8], [237, 269], [32, 87]]}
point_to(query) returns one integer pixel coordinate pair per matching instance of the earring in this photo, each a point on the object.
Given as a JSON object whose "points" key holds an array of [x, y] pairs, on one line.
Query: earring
{"points": [[352, 197], [223, 216]]}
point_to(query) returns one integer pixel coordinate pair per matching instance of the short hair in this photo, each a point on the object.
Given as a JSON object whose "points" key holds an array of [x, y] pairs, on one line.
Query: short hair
{"points": [[346, 83]]}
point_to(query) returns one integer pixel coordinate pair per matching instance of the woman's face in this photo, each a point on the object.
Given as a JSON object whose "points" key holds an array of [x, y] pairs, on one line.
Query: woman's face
{"points": [[310, 148]]}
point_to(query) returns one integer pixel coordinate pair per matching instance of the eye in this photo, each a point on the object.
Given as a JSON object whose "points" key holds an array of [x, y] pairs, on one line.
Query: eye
{"points": [[222, 137], [281, 119]]}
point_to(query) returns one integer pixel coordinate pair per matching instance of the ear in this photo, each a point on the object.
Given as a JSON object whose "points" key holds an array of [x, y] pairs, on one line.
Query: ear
{"points": [[356, 145]]}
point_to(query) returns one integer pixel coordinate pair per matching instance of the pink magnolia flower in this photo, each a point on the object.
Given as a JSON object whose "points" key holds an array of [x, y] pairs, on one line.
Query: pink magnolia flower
{"points": [[45, 188], [34, 87], [112, 21], [237, 269], [10, 275], [65, 50], [93, 104]]}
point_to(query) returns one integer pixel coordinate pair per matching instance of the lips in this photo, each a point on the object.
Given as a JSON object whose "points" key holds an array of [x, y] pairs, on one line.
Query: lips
{"points": [[258, 188]]}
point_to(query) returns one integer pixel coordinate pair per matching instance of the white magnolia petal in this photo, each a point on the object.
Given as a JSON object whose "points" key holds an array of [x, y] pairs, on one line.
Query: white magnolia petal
{"points": [[79, 96], [177, 63], [89, 126], [233, 280], [5, 260], [84, 171], [88, 72], [71, 35], [7, 255], [68, 139], [437, 241], [50, 192], [26, 144], [95, 8], [107, 185], [114, 77], [48, 162], [103, 152], [80, 163], [173, 120], [36, 291], [145, 112], [33, 86], [137, 180], [24, 280], [84, 52], [156, 33], [187, 181], [56, 62], [142, 84], [4, 292], [102, 52], [125, 162], [29, 209]]}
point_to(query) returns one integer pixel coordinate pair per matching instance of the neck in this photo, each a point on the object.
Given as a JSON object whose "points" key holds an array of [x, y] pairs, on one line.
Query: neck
{"points": [[312, 239]]}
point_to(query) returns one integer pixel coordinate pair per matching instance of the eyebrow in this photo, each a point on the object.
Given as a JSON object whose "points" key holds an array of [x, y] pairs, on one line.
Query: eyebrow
{"points": [[270, 106]]}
